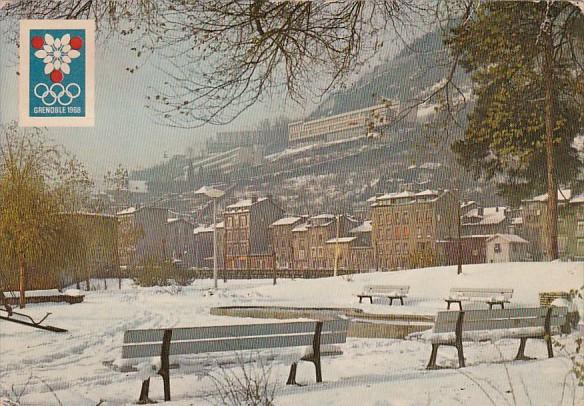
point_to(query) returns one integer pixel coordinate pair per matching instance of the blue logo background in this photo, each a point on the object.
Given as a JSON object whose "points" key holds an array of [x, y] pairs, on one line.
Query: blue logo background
{"points": [[76, 75]]}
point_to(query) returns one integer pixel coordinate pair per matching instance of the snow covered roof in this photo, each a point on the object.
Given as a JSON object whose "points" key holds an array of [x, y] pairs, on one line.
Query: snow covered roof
{"points": [[403, 195], [172, 220], [129, 210], [578, 199], [563, 195], [300, 228], [366, 227], [517, 220], [341, 240], [490, 215], [286, 221], [245, 203], [207, 229], [466, 204], [323, 216], [509, 237]]}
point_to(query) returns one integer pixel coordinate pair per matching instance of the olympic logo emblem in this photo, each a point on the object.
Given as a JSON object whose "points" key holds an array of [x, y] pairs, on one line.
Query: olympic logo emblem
{"points": [[50, 95]]}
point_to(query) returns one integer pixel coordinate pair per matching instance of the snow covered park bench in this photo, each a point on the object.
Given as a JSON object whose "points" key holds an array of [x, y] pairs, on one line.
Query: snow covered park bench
{"points": [[389, 291], [490, 296], [453, 327], [199, 340]]}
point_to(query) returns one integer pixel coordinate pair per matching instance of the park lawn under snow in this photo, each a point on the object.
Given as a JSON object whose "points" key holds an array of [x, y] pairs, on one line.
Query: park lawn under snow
{"points": [[68, 368]]}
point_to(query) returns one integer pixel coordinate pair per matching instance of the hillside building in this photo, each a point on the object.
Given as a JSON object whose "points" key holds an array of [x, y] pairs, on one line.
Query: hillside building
{"points": [[341, 126]]}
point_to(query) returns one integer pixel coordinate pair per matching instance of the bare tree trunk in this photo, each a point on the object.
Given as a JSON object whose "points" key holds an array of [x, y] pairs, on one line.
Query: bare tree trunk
{"points": [[22, 280], [550, 123]]}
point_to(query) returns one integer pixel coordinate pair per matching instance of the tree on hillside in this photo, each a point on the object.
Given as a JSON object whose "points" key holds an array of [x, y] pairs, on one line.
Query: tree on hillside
{"points": [[37, 184], [527, 66]]}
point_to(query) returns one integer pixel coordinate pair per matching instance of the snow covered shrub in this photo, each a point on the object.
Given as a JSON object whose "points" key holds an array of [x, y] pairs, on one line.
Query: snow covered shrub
{"points": [[247, 384]]}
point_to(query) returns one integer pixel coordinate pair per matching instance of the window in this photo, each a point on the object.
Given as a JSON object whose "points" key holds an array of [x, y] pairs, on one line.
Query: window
{"points": [[497, 248], [388, 219], [397, 218], [397, 247], [580, 229], [405, 217], [580, 246], [406, 232], [243, 221], [562, 243], [397, 233], [229, 223], [235, 221], [419, 232]]}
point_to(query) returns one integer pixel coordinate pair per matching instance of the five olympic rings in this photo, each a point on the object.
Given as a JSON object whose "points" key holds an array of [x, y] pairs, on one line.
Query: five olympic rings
{"points": [[57, 93]]}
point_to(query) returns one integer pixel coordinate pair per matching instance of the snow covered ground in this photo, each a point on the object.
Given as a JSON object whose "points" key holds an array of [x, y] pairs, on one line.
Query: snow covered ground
{"points": [[43, 368]]}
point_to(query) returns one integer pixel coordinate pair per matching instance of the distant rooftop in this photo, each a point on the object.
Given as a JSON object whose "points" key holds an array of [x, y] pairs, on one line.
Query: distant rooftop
{"points": [[286, 221], [341, 240]]}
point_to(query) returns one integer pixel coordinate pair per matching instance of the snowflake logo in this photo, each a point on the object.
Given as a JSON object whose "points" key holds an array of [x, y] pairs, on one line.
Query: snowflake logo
{"points": [[57, 54]]}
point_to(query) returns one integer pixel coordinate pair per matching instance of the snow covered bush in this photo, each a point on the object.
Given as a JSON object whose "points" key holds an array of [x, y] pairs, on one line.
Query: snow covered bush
{"points": [[156, 273]]}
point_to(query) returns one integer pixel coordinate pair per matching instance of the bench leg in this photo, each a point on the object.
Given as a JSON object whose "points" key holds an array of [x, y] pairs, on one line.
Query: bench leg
{"points": [[432, 362], [144, 399], [401, 299], [316, 362], [550, 349], [391, 301], [371, 299], [292, 375], [460, 355], [521, 352], [360, 299], [448, 305]]}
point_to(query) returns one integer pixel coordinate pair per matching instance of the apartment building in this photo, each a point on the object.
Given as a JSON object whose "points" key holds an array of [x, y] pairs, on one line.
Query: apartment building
{"points": [[534, 214], [341, 126], [406, 226], [282, 241], [203, 240], [142, 235], [309, 239], [247, 233]]}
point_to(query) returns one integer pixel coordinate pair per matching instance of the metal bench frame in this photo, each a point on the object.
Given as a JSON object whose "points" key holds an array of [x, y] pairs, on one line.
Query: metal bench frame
{"points": [[480, 294], [273, 334], [553, 318], [378, 291]]}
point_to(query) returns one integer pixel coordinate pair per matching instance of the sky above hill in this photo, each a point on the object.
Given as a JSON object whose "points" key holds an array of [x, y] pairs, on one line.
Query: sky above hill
{"points": [[125, 131]]}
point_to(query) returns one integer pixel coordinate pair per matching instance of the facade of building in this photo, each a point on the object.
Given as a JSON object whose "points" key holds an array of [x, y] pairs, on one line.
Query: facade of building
{"points": [[341, 126], [309, 239], [351, 255], [180, 242], [571, 230], [506, 248], [203, 240], [473, 250], [534, 216], [247, 231], [406, 226], [281, 237], [142, 235]]}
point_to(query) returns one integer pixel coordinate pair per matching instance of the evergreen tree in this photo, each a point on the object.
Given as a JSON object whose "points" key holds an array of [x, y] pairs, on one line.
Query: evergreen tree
{"points": [[527, 66]]}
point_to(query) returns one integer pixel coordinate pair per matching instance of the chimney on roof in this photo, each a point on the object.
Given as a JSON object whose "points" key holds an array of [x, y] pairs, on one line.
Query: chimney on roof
{"points": [[481, 211]]}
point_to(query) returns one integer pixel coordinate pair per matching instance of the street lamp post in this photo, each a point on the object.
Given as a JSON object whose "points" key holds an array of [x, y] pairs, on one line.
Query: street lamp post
{"points": [[213, 194]]}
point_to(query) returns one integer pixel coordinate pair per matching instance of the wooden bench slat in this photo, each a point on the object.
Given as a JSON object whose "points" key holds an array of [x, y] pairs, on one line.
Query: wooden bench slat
{"points": [[215, 332], [231, 344], [499, 319], [469, 293]]}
